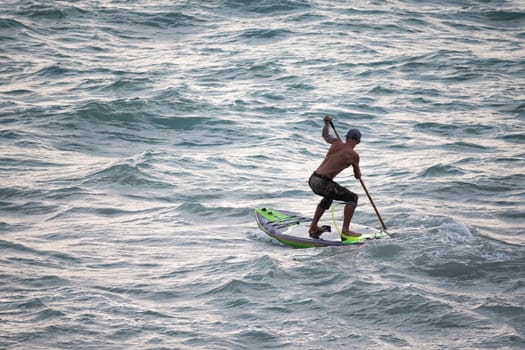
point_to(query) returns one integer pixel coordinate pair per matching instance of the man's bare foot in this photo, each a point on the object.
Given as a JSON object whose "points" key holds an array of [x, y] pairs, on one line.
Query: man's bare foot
{"points": [[350, 234], [317, 231]]}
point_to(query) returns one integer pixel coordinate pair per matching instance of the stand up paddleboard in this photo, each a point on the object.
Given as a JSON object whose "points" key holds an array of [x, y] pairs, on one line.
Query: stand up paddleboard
{"points": [[292, 230]]}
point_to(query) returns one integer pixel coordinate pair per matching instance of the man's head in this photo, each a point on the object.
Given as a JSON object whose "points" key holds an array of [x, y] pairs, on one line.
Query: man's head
{"points": [[354, 134]]}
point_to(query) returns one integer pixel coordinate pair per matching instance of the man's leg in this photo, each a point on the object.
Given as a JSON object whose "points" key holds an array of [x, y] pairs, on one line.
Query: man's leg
{"points": [[348, 213], [315, 231], [314, 225]]}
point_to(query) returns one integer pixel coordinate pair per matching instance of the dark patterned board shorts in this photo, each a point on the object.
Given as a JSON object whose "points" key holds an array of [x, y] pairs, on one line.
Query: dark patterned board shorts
{"points": [[330, 191]]}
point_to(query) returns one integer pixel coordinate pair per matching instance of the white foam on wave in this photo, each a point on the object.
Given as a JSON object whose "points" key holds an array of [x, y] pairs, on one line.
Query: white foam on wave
{"points": [[447, 229], [454, 232]]}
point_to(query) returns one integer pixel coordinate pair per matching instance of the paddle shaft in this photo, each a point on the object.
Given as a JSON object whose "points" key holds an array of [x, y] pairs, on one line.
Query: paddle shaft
{"points": [[373, 205], [363, 185]]}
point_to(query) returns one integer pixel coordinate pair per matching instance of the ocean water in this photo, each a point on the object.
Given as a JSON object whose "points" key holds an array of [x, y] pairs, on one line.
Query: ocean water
{"points": [[137, 137]]}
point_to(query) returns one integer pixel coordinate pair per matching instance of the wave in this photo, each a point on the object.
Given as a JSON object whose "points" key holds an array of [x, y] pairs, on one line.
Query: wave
{"points": [[129, 172], [437, 128], [126, 113], [53, 71], [138, 113], [265, 6], [24, 139], [440, 170], [265, 33], [455, 129], [148, 17], [505, 15], [11, 24], [126, 85], [52, 12], [43, 11], [462, 146], [33, 257], [517, 138]]}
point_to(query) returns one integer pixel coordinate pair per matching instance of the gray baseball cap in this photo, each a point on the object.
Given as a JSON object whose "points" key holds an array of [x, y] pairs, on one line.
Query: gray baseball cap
{"points": [[354, 134]]}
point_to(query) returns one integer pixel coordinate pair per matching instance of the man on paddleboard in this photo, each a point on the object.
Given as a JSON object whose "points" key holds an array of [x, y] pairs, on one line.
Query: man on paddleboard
{"points": [[339, 157]]}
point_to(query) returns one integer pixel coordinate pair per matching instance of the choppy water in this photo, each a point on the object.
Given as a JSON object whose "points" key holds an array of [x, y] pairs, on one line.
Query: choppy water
{"points": [[138, 136]]}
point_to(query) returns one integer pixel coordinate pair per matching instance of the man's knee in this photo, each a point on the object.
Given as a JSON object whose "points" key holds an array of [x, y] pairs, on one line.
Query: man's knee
{"points": [[352, 199], [325, 203]]}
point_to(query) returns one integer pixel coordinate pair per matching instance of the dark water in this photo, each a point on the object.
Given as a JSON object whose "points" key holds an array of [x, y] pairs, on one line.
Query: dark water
{"points": [[137, 137]]}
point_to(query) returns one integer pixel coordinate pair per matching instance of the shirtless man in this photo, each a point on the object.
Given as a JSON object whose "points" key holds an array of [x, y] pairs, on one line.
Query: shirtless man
{"points": [[339, 157]]}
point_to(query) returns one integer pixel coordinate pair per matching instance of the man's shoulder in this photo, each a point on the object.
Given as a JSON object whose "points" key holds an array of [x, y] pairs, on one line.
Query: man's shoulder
{"points": [[352, 155]]}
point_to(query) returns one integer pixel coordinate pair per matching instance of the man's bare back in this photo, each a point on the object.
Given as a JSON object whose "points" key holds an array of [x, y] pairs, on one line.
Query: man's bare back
{"points": [[339, 157]]}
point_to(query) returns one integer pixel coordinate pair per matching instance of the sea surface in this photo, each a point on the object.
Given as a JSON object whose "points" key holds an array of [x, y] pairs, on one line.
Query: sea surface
{"points": [[137, 137]]}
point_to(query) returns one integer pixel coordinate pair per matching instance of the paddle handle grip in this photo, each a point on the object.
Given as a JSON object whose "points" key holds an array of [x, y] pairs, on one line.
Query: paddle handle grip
{"points": [[336, 133]]}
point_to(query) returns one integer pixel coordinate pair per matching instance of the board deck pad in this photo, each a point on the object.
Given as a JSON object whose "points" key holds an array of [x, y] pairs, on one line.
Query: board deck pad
{"points": [[292, 229]]}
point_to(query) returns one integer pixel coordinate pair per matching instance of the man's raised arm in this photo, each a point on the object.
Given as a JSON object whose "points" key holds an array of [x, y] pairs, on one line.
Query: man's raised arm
{"points": [[326, 132]]}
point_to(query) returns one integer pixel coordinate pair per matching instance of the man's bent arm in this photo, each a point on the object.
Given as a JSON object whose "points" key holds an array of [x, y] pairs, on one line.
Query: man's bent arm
{"points": [[326, 132], [357, 169]]}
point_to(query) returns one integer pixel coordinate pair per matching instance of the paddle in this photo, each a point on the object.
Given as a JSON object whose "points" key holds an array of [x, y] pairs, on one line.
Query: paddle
{"points": [[363, 185]]}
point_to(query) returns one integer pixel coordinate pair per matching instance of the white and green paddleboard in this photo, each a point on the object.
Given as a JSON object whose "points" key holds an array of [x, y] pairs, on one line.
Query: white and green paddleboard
{"points": [[292, 230]]}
